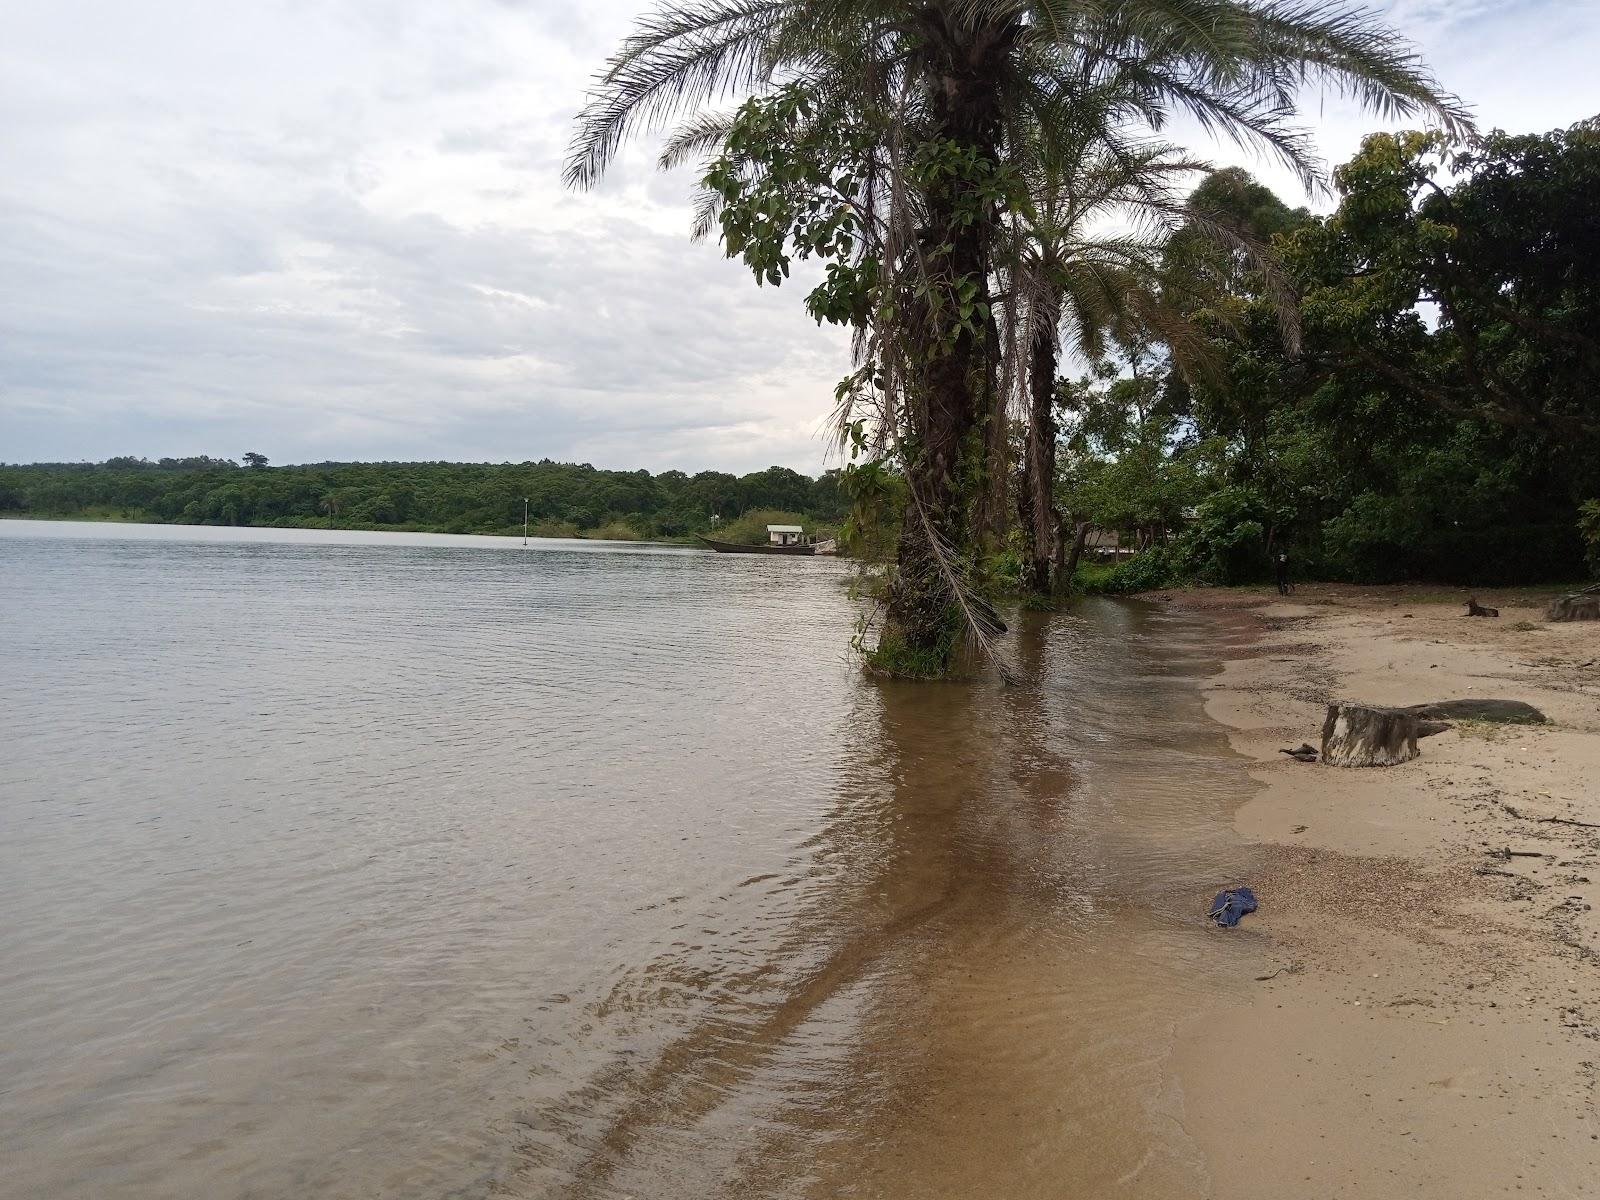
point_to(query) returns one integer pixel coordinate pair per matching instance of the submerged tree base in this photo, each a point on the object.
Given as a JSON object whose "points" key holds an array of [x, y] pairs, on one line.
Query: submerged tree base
{"points": [[896, 658]]}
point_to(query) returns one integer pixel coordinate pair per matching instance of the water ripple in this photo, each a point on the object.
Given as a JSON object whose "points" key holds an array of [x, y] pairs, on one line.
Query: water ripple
{"points": [[363, 865]]}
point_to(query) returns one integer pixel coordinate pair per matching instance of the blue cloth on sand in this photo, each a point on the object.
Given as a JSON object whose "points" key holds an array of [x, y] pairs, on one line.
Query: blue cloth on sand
{"points": [[1232, 904]]}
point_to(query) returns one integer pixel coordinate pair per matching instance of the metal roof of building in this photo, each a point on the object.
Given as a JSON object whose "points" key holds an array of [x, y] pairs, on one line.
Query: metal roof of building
{"points": [[785, 529]]}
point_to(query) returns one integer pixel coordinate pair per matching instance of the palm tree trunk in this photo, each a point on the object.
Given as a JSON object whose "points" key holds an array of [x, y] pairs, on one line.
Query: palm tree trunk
{"points": [[1065, 570], [1025, 509], [945, 473], [956, 383], [1041, 520], [992, 522]]}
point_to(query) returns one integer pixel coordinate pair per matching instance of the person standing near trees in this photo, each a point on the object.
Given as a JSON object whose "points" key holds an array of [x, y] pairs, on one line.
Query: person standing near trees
{"points": [[1280, 567]]}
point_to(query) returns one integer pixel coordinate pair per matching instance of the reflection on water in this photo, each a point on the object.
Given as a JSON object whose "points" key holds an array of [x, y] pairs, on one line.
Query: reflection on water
{"points": [[456, 869]]}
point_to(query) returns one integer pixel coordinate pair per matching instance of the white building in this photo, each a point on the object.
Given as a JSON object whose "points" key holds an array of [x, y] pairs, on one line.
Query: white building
{"points": [[785, 535]]}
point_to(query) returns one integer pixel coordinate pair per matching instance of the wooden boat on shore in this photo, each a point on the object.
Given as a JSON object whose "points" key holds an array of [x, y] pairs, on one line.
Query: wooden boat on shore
{"points": [[781, 539], [763, 548]]}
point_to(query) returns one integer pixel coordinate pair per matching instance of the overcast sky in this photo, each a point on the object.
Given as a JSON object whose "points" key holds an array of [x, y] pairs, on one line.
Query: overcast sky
{"points": [[335, 229]]}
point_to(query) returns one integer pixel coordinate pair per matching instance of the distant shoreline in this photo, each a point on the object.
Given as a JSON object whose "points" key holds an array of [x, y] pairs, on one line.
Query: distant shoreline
{"points": [[544, 499], [533, 531]]}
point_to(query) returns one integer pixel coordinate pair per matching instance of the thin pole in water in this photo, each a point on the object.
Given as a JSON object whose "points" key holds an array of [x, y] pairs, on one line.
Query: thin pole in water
{"points": [[524, 520]]}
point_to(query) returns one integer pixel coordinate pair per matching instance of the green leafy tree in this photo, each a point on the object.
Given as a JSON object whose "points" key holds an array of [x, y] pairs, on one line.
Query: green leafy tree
{"points": [[1589, 529], [1129, 466], [1436, 414], [1508, 256]]}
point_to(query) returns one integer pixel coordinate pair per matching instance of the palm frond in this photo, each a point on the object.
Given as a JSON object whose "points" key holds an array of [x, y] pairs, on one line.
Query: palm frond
{"points": [[1352, 50], [981, 624], [676, 58], [696, 137]]}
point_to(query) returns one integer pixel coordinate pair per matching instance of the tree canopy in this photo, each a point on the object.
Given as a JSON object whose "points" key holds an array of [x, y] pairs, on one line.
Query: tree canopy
{"points": [[1436, 413]]}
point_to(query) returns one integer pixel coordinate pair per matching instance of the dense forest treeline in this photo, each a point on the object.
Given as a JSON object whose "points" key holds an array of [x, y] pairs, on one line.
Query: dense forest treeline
{"points": [[1428, 408], [564, 499]]}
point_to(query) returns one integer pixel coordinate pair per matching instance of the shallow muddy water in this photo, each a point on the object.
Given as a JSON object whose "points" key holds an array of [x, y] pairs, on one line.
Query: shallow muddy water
{"points": [[360, 865]]}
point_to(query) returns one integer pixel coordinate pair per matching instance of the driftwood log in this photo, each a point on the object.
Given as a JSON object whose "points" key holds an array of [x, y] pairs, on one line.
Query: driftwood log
{"points": [[1580, 606], [1509, 712]]}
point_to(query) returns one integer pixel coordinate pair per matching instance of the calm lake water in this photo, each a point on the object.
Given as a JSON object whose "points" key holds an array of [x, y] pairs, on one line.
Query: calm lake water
{"points": [[358, 865]]}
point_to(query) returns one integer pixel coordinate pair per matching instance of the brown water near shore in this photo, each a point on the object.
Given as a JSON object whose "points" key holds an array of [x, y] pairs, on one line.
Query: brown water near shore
{"points": [[416, 869], [1005, 965]]}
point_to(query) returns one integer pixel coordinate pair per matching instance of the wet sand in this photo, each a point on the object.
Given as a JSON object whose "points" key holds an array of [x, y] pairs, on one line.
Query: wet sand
{"points": [[1431, 1024]]}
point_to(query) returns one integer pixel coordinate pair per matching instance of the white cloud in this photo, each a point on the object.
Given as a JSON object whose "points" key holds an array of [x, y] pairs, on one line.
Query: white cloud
{"points": [[1520, 65], [335, 229]]}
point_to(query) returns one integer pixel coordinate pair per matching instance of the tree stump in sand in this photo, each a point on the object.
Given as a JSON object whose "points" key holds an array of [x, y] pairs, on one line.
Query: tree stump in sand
{"points": [[1580, 606], [1360, 735]]}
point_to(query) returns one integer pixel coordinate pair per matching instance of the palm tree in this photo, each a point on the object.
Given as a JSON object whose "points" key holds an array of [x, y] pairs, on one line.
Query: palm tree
{"points": [[1082, 256], [952, 82], [1089, 258]]}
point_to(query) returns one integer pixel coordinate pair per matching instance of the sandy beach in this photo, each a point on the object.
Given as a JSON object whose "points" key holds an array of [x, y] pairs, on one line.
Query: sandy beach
{"points": [[1426, 1017]]}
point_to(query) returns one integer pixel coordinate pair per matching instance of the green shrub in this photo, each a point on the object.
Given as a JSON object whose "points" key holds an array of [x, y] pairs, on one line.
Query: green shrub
{"points": [[1226, 543], [751, 529], [544, 529], [1387, 539], [892, 658], [1375, 539], [615, 531], [1589, 531], [1003, 571], [877, 495], [1091, 577], [1142, 573]]}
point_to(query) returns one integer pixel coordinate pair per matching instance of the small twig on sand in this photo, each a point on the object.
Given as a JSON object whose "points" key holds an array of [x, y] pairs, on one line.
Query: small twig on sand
{"points": [[1293, 969], [1547, 820]]}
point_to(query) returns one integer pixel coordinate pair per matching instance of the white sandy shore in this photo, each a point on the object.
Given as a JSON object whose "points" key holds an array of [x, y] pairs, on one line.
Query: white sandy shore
{"points": [[1434, 1030]]}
